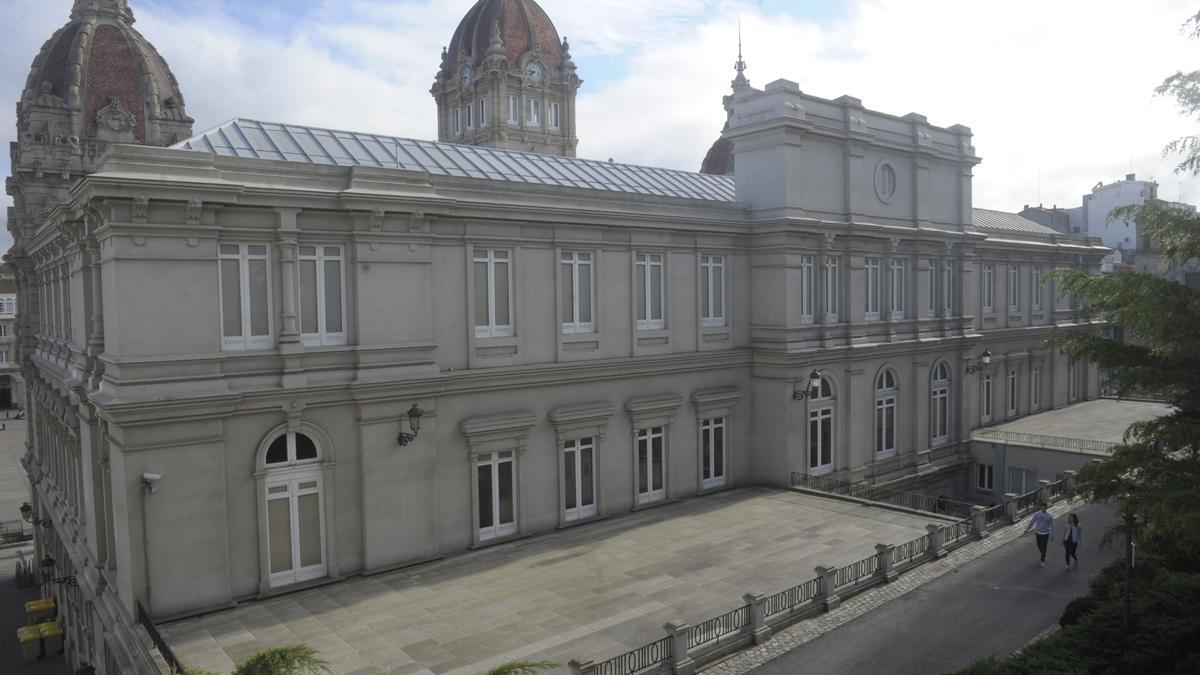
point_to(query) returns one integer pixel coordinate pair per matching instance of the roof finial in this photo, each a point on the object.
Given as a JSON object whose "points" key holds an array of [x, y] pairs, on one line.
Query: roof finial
{"points": [[740, 82]]}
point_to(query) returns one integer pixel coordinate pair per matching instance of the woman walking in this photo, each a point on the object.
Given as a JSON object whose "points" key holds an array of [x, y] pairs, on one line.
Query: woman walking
{"points": [[1071, 535]]}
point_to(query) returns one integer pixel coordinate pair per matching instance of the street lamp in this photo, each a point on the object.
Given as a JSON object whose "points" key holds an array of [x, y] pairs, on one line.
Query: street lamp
{"points": [[414, 421], [48, 563], [27, 516], [985, 359], [814, 383]]}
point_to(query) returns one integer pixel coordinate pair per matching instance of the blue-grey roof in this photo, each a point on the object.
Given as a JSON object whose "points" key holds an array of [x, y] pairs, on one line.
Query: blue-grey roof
{"points": [[310, 145], [1003, 221]]}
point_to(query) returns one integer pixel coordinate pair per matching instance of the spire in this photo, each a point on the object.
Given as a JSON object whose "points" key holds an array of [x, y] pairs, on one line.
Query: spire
{"points": [[740, 82]]}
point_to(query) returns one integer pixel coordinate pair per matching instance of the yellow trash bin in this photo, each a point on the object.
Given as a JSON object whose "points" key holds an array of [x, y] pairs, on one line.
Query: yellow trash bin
{"points": [[31, 643], [40, 610], [52, 637]]}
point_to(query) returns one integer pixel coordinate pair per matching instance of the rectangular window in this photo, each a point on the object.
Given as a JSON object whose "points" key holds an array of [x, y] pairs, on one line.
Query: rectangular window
{"points": [[3, 330], [1021, 481], [483, 113], [989, 289], [807, 289], [493, 293], [1035, 389], [497, 487], [577, 284], [940, 414], [712, 452], [245, 297], [456, 121], [470, 110], [820, 441], [1037, 289], [712, 290], [983, 477], [295, 531], [1073, 375], [555, 112], [651, 467], [322, 296], [931, 310], [872, 270], [514, 109], [579, 479], [985, 397], [533, 114], [1014, 288], [832, 288], [948, 289], [885, 425], [1012, 393], [650, 291], [896, 286], [3, 356]]}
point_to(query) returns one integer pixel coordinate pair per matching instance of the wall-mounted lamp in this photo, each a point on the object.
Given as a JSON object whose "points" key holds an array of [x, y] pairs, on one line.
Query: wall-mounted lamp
{"points": [[814, 383], [27, 516], [48, 573], [985, 359], [414, 421]]}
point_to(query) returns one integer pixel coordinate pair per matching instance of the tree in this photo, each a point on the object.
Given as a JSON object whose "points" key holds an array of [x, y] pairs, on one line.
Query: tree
{"points": [[1155, 474]]}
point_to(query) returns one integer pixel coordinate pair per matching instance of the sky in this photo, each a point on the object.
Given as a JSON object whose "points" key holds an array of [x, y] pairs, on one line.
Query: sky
{"points": [[1059, 94]]}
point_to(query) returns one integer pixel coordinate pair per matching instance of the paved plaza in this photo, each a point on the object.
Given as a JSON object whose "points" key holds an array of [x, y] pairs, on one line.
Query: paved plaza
{"points": [[1104, 420], [14, 486], [586, 592]]}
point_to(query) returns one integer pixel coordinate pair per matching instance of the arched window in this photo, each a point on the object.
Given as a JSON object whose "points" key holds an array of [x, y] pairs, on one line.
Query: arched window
{"points": [[885, 414], [939, 405], [820, 429], [295, 521]]}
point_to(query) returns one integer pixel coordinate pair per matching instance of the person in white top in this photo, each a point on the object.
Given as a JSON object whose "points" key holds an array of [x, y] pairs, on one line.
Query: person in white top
{"points": [[1071, 537], [1042, 524]]}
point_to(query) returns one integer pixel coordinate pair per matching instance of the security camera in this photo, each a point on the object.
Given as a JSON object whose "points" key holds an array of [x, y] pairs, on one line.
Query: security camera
{"points": [[150, 482]]}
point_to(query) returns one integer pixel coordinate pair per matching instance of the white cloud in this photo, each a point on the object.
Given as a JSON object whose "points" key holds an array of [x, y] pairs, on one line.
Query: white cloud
{"points": [[1061, 88]]}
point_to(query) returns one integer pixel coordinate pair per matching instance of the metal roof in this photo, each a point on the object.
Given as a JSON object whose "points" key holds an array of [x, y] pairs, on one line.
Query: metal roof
{"points": [[311, 145], [1002, 221]]}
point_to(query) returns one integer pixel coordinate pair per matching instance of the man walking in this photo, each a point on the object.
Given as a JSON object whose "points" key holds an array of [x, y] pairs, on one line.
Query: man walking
{"points": [[1042, 525]]}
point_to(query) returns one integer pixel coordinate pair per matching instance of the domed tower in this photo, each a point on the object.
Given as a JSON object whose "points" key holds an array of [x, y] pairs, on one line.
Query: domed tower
{"points": [[719, 160], [96, 81], [507, 81]]}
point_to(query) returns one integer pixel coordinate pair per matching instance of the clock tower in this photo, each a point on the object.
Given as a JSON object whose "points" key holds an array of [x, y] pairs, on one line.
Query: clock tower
{"points": [[507, 81]]}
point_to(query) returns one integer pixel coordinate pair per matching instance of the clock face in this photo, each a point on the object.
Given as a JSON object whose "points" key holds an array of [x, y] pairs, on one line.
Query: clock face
{"points": [[466, 77], [534, 72]]}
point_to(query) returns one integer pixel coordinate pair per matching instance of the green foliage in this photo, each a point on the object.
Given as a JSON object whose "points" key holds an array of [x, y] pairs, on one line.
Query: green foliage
{"points": [[197, 671], [287, 660], [1185, 89], [522, 667]]}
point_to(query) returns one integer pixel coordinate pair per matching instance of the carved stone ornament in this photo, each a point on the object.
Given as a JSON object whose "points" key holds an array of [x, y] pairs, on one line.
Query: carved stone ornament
{"points": [[194, 208], [114, 123], [829, 239], [895, 241], [46, 97], [376, 220], [141, 208]]}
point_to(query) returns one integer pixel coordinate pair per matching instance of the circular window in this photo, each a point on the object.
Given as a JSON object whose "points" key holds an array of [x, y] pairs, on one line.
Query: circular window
{"points": [[885, 182]]}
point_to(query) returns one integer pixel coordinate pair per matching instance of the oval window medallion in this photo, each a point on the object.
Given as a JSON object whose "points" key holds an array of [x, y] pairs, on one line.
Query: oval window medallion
{"points": [[885, 182]]}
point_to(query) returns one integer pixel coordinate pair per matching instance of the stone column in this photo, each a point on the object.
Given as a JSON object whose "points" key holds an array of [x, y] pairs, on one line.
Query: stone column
{"points": [[885, 570], [1043, 491], [758, 617], [978, 516], [681, 663], [827, 594], [289, 311], [1068, 481], [582, 667], [937, 547], [1010, 506]]}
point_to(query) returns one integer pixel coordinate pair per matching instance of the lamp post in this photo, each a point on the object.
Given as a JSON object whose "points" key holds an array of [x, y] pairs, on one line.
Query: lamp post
{"points": [[985, 359], [27, 516], [47, 564], [814, 383], [414, 422]]}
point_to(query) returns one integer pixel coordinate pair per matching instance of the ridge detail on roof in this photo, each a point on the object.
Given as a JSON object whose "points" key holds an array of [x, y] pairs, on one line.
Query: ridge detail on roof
{"points": [[1003, 221]]}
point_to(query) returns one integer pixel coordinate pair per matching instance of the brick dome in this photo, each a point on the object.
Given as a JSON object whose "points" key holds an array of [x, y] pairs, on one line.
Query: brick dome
{"points": [[113, 82], [522, 26]]}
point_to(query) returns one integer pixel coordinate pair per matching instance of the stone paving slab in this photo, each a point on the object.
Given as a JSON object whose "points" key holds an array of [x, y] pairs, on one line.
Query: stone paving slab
{"points": [[592, 591]]}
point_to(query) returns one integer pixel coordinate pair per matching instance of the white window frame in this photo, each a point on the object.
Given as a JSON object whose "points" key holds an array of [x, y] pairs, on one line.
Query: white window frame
{"points": [[1072, 382], [985, 477], [533, 111], [896, 289], [3, 356], [808, 290], [493, 460], [712, 472], [246, 341], [319, 257], [291, 481], [514, 109], [948, 289], [821, 442], [1014, 288], [470, 113], [985, 397], [1035, 388], [1012, 393], [933, 295], [832, 289], [713, 278], [885, 407], [573, 265], [989, 288], [1037, 289], [874, 281], [483, 113], [644, 468], [573, 451], [3, 330], [456, 121], [644, 266], [939, 410], [491, 257], [1028, 480], [554, 115]]}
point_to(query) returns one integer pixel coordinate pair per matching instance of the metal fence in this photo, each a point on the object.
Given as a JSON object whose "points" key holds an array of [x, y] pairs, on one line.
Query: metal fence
{"points": [[144, 619], [875, 493], [788, 600], [850, 574], [14, 531], [642, 658], [719, 626], [1042, 441]]}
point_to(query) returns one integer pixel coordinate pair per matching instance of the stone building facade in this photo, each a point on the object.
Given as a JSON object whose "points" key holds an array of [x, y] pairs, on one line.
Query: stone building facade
{"points": [[228, 341]]}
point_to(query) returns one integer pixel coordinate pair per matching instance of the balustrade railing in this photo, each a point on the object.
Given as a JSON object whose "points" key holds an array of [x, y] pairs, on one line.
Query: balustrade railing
{"points": [[881, 494], [718, 627], [788, 600], [14, 531], [851, 573], [642, 658], [143, 617], [1042, 441]]}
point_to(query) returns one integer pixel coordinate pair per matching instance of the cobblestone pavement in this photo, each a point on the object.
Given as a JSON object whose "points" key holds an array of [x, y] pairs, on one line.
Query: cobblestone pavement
{"points": [[807, 631], [589, 592]]}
